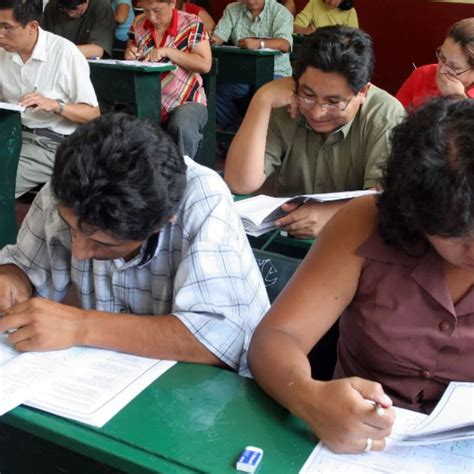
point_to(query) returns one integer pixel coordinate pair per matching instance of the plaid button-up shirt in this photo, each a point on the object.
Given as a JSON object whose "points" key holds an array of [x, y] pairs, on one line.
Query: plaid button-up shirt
{"points": [[199, 268]]}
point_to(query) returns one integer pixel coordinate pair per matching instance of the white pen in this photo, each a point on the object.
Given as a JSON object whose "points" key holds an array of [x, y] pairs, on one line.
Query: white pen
{"points": [[379, 409]]}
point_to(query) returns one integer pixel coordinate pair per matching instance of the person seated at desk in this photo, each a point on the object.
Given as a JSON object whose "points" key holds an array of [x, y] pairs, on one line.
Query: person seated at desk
{"points": [[318, 13], [334, 138], [289, 5], [399, 268], [164, 33], [124, 16], [453, 74], [48, 75], [150, 240], [89, 24], [193, 9], [251, 24]]}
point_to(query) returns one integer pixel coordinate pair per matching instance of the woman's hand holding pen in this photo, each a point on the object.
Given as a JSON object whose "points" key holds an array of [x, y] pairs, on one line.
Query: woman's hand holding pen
{"points": [[343, 414], [133, 53]]}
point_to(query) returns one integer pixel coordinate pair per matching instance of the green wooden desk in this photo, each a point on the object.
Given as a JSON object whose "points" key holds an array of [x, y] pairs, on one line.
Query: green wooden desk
{"points": [[193, 419], [137, 87], [243, 66], [10, 146]]}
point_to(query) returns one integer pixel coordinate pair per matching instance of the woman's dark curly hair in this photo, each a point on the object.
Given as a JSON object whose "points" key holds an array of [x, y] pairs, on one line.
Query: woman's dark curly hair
{"points": [[428, 180]]}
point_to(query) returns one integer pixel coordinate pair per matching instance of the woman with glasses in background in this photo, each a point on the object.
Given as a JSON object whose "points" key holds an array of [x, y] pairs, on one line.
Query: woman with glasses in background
{"points": [[453, 74]]}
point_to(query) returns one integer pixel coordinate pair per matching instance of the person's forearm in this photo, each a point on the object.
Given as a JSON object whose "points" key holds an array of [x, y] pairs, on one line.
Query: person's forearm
{"points": [[160, 337], [279, 44], [279, 366], [300, 29], [244, 168], [91, 50], [21, 281], [79, 113], [192, 62]]}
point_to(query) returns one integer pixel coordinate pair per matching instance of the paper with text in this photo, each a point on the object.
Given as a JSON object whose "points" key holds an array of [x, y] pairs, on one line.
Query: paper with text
{"points": [[84, 384]]}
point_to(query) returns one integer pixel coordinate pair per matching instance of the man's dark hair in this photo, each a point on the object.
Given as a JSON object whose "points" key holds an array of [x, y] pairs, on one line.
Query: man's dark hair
{"points": [[121, 175], [428, 180], [346, 5], [340, 49], [69, 4], [24, 11]]}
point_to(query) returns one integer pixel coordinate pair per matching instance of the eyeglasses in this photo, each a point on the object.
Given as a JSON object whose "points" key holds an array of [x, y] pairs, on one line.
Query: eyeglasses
{"points": [[306, 103], [442, 59], [8, 29]]}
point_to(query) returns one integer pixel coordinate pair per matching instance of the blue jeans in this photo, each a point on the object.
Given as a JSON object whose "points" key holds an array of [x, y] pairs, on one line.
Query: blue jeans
{"points": [[185, 126], [227, 114]]}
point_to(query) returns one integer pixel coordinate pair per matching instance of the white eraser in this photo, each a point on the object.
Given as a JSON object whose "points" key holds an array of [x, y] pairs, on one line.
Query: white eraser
{"points": [[250, 459]]}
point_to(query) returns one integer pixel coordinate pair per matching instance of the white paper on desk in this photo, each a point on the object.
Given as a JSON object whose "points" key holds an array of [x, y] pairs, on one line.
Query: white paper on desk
{"points": [[102, 384], [22, 375], [14, 107], [451, 420], [134, 63], [444, 458]]}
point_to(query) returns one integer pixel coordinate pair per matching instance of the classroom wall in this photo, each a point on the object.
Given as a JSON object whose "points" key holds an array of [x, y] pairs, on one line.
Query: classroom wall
{"points": [[404, 32]]}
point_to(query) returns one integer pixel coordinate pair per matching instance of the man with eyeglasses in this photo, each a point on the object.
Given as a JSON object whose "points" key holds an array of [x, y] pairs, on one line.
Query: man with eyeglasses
{"points": [[89, 24], [452, 74], [50, 77], [325, 130]]}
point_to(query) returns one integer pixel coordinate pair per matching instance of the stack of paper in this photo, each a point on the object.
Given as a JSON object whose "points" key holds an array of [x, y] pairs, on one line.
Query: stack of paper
{"points": [[14, 107], [84, 384], [411, 446], [259, 213]]}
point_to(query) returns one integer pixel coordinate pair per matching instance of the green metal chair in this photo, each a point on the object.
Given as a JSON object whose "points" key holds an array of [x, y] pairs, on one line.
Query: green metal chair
{"points": [[10, 146], [276, 270]]}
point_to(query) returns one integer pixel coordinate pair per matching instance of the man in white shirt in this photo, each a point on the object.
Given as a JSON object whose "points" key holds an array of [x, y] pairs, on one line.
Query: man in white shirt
{"points": [[50, 77]]}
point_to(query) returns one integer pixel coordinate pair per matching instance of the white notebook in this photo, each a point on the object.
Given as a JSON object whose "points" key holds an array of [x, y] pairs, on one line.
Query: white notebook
{"points": [[442, 442], [259, 213]]}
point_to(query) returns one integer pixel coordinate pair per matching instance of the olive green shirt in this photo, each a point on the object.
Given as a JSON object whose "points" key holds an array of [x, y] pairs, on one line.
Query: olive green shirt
{"points": [[349, 159], [96, 26]]}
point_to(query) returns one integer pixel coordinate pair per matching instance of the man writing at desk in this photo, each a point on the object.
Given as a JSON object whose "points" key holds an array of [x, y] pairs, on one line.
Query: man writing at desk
{"points": [[150, 241], [326, 130], [48, 75], [164, 33]]}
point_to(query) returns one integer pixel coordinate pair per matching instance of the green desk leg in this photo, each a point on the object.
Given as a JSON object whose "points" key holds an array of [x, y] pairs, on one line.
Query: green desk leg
{"points": [[140, 90], [10, 146]]}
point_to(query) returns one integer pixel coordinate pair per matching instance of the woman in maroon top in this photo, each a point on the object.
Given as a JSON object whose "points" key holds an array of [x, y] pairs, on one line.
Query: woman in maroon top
{"points": [[399, 268], [453, 74]]}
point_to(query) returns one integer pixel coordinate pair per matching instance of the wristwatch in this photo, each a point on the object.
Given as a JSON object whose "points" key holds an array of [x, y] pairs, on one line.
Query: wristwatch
{"points": [[262, 44], [61, 106]]}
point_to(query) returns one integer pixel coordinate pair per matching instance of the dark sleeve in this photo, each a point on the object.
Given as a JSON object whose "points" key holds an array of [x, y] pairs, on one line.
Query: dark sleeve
{"points": [[102, 28], [47, 19]]}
